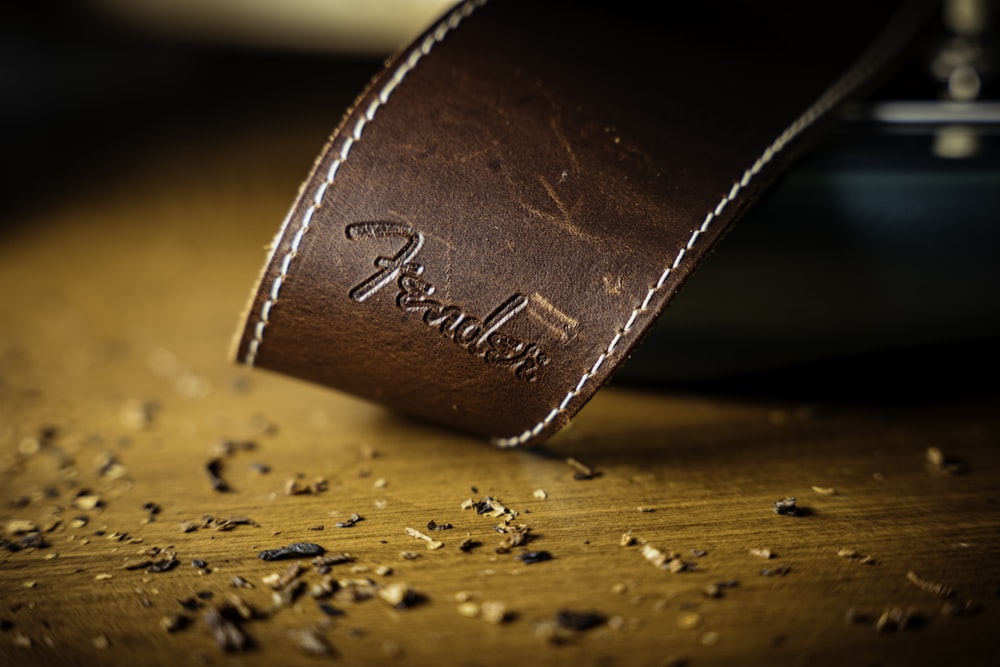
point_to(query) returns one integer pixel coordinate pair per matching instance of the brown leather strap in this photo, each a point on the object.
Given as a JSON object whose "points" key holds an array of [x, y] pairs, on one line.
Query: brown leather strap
{"points": [[514, 200]]}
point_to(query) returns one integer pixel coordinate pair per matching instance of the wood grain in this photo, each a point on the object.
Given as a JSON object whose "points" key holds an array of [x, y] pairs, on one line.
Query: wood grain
{"points": [[125, 295]]}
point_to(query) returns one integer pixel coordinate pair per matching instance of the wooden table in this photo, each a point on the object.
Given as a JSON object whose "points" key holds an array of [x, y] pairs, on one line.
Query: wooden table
{"points": [[123, 283]]}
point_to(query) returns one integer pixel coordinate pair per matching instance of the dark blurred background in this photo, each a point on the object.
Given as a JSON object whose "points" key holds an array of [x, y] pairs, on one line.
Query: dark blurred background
{"points": [[86, 83]]}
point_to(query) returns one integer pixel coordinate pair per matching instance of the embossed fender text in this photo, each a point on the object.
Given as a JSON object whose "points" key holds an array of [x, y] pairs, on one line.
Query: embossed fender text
{"points": [[481, 337]]}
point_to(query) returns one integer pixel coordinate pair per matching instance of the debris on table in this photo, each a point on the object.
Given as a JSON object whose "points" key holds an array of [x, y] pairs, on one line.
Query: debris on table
{"points": [[665, 560], [214, 470], [492, 507], [296, 550], [856, 556], [294, 487], [227, 633], [514, 536], [311, 642], [963, 608], [937, 459], [579, 621], [894, 619], [279, 580], [87, 501], [582, 470], [566, 623], [350, 521], [399, 595], [932, 587], [786, 506], [432, 544], [174, 622], [531, 557], [324, 562], [164, 564], [226, 447]]}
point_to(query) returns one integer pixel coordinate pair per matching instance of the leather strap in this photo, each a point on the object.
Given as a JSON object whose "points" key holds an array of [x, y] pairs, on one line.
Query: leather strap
{"points": [[515, 199]]}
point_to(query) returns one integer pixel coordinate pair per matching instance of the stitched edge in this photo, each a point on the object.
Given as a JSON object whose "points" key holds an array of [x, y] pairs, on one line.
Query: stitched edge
{"points": [[823, 104], [432, 38]]}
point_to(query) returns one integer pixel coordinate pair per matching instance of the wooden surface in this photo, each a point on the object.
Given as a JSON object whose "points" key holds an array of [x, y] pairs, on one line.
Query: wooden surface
{"points": [[121, 288]]}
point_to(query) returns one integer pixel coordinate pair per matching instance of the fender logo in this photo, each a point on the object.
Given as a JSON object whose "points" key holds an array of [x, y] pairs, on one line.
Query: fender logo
{"points": [[481, 337]]}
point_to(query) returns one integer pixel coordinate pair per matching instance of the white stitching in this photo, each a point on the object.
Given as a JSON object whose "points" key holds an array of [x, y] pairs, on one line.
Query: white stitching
{"points": [[444, 26], [821, 106]]}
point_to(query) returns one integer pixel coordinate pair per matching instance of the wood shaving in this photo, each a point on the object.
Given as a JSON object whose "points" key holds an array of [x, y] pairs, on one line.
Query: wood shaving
{"points": [[936, 459], [494, 611], [434, 525], [532, 557], [325, 562], [350, 521], [311, 642], [856, 556], [688, 620], [164, 564], [964, 608], [469, 609], [432, 544], [21, 526], [659, 558], [492, 507], [174, 622], [294, 487], [932, 587], [786, 506], [324, 588], [279, 580], [214, 471], [399, 595], [825, 490], [286, 596], [227, 634], [514, 536], [355, 590], [583, 471], [136, 563], [296, 550], [87, 502], [241, 607], [897, 618], [935, 456], [578, 621]]}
